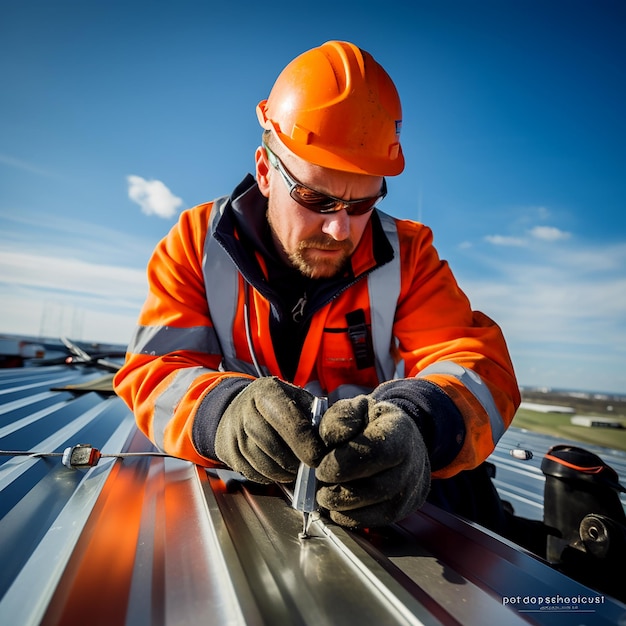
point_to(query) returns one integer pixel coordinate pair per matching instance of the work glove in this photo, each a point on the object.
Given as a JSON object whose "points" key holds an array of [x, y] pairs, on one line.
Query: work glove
{"points": [[266, 432], [377, 470]]}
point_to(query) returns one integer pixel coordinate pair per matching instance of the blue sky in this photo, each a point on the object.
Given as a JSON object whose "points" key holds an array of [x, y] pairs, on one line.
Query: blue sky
{"points": [[514, 134]]}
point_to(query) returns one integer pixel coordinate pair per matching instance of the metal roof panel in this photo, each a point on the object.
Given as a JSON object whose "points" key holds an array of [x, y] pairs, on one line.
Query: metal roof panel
{"points": [[158, 540]]}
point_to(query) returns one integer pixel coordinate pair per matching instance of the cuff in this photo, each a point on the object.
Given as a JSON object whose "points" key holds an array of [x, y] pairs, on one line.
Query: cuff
{"points": [[210, 413], [439, 420]]}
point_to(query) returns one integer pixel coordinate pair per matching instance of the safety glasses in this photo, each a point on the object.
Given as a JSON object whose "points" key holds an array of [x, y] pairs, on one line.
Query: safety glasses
{"points": [[318, 201]]}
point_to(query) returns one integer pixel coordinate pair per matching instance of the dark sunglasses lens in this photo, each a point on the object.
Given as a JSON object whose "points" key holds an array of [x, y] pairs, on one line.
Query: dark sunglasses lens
{"points": [[321, 203], [311, 199], [359, 208]]}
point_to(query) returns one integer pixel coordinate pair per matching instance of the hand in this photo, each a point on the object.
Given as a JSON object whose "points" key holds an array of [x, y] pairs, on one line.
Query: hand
{"points": [[266, 432], [377, 471]]}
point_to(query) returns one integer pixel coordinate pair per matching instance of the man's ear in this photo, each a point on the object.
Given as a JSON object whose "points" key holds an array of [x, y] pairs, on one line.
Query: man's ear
{"points": [[262, 171]]}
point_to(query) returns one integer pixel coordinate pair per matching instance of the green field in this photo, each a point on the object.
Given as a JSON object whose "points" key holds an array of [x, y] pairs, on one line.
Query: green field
{"points": [[559, 425]]}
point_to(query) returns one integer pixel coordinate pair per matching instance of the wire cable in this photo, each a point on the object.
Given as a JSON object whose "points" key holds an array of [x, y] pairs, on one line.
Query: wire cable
{"points": [[246, 318], [81, 455]]}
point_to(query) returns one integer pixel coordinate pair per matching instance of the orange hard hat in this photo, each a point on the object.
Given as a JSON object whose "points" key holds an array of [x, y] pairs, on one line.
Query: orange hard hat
{"points": [[335, 106]]}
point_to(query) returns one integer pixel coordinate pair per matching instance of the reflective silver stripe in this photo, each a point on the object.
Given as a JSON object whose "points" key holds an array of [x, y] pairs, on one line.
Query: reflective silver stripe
{"points": [[160, 340], [166, 403], [474, 384], [220, 283], [384, 289]]}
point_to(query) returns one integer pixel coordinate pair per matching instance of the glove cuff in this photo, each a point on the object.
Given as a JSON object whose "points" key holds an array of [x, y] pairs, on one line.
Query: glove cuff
{"points": [[210, 413], [437, 417]]}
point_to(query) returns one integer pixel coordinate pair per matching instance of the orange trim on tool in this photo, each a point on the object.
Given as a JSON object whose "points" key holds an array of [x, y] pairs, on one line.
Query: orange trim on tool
{"points": [[587, 470]]}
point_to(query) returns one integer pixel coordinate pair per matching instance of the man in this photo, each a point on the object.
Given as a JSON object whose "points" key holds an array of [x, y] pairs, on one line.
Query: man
{"points": [[295, 286]]}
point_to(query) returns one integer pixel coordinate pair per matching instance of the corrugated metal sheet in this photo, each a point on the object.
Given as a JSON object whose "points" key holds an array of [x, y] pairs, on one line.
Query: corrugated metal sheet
{"points": [[157, 540]]}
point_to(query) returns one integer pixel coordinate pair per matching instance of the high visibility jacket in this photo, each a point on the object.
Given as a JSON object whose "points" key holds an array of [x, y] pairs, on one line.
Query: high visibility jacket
{"points": [[400, 314]]}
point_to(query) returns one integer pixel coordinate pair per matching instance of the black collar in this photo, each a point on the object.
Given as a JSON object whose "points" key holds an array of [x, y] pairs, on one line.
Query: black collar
{"points": [[245, 214]]}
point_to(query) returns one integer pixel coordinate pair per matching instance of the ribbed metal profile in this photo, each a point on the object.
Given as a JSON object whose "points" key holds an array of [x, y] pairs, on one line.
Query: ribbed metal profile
{"points": [[157, 540]]}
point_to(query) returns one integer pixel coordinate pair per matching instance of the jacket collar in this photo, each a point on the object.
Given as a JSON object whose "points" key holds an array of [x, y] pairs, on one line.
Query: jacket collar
{"points": [[244, 232]]}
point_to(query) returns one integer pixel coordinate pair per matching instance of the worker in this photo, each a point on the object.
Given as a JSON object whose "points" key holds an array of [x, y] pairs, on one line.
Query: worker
{"points": [[296, 285]]}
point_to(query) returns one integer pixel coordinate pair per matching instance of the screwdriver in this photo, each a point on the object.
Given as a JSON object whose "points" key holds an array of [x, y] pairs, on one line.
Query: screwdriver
{"points": [[304, 490]]}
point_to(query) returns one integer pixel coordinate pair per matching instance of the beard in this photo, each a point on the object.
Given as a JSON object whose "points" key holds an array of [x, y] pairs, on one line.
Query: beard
{"points": [[309, 258]]}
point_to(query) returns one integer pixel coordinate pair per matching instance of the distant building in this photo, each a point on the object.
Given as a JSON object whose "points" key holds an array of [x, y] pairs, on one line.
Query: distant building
{"points": [[546, 408], [13, 352], [596, 422]]}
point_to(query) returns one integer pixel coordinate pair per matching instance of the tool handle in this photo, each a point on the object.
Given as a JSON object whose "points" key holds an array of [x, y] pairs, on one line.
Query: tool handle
{"points": [[306, 484], [318, 408]]}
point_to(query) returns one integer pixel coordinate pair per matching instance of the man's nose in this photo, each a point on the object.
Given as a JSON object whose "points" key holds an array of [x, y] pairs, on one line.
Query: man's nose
{"points": [[337, 225]]}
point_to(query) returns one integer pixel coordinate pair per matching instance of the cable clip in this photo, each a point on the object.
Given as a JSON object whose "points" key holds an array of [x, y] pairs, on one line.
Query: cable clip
{"points": [[81, 456]]}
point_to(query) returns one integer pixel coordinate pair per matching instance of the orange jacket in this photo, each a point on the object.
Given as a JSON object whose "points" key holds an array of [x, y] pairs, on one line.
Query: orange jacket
{"points": [[178, 354]]}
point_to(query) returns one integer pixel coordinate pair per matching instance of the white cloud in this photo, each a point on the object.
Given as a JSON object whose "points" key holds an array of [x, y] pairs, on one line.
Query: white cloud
{"points": [[589, 260], [153, 196], [65, 276], [53, 235], [549, 233], [502, 240], [116, 285], [539, 233], [563, 312], [91, 301]]}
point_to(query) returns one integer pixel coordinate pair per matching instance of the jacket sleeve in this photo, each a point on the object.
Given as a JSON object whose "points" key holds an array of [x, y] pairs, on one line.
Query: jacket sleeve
{"points": [[172, 361], [460, 355]]}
